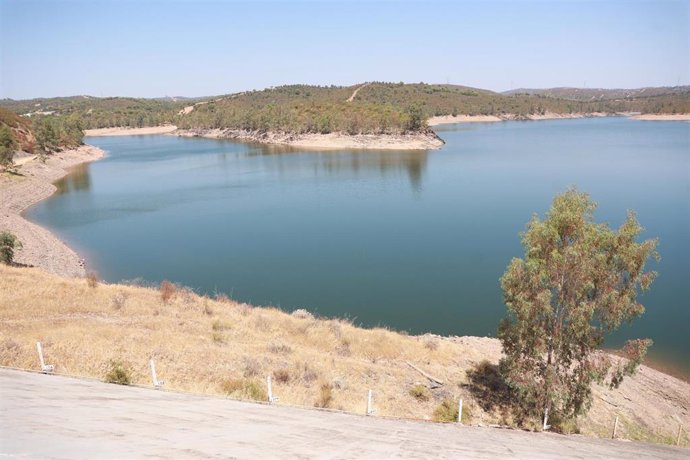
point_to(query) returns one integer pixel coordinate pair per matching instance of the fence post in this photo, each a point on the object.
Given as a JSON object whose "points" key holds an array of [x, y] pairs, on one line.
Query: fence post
{"points": [[157, 384], [370, 406], [680, 428], [615, 428], [460, 412], [269, 384], [546, 425], [45, 368]]}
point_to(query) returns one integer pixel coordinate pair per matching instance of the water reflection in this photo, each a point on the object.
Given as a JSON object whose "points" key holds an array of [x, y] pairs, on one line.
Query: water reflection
{"points": [[77, 179], [345, 163]]}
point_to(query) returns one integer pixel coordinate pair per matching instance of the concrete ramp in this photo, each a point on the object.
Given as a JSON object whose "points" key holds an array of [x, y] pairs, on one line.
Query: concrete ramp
{"points": [[47, 416]]}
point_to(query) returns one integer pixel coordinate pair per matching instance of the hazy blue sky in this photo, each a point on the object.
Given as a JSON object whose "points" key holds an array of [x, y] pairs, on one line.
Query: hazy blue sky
{"points": [[194, 48]]}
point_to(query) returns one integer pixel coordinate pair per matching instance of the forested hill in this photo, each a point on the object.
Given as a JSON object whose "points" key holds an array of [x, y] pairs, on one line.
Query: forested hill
{"points": [[602, 94], [374, 107]]}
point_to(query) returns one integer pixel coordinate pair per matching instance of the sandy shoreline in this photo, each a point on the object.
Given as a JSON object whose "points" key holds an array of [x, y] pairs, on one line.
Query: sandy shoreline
{"points": [[450, 119], [123, 131], [17, 193], [662, 117], [332, 141]]}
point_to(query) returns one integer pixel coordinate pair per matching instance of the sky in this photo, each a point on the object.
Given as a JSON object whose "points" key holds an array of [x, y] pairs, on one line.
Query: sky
{"points": [[199, 48]]}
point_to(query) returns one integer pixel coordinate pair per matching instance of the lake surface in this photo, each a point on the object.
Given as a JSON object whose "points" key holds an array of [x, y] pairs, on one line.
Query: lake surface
{"points": [[414, 241]]}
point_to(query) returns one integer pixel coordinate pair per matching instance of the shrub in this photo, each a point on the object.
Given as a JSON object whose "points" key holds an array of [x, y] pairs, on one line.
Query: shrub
{"points": [[92, 280], [217, 337], [343, 348], [168, 291], [8, 244], [325, 396], [420, 392], [119, 373], [447, 411], [281, 376], [219, 325], [431, 343], [119, 300], [245, 389], [251, 367], [279, 348]]}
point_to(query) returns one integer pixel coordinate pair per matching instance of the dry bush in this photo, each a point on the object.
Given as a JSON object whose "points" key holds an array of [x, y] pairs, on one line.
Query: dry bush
{"points": [[167, 290], [325, 396], [279, 348], [119, 300], [307, 373], [281, 375], [219, 325], [420, 392], [244, 309], [343, 348], [207, 308], [92, 280], [431, 343], [245, 389], [217, 337], [251, 367], [119, 372], [447, 411], [301, 313], [223, 298], [335, 328]]}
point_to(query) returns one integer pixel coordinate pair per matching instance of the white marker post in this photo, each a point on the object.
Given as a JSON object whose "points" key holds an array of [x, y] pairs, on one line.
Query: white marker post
{"points": [[269, 384], [615, 428], [370, 404], [45, 368], [460, 411], [546, 420], [680, 430], [157, 384]]}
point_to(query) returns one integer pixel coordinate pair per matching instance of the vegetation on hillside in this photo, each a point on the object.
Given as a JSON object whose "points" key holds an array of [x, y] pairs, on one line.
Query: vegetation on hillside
{"points": [[377, 107], [578, 282]]}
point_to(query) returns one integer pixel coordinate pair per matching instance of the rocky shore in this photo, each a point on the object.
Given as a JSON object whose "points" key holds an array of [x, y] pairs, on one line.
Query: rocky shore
{"points": [[33, 183]]}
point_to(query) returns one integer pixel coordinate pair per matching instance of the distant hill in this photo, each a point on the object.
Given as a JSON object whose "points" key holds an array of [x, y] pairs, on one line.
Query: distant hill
{"points": [[601, 94], [369, 108]]}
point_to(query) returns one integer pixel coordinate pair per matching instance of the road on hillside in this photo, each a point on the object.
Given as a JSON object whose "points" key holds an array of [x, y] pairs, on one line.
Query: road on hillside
{"points": [[45, 416]]}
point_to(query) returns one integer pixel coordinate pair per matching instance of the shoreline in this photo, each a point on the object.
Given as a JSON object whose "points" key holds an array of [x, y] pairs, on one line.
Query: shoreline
{"points": [[428, 140], [126, 131], [40, 247], [661, 117], [450, 119]]}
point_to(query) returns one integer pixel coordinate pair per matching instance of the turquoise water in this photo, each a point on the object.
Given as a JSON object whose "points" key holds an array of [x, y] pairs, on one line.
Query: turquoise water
{"points": [[410, 240]]}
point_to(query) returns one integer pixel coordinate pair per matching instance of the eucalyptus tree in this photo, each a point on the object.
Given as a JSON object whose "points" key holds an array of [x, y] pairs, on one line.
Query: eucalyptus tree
{"points": [[578, 281]]}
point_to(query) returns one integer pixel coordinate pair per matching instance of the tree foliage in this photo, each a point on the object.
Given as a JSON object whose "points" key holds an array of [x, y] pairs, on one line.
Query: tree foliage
{"points": [[577, 282], [56, 132], [8, 244], [7, 147]]}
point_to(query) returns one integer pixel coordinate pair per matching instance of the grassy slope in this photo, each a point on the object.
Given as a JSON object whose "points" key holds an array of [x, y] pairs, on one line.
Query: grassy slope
{"points": [[199, 344], [21, 129]]}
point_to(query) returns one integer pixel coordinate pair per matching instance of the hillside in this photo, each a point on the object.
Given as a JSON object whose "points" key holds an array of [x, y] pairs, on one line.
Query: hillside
{"points": [[369, 108], [21, 129], [218, 346], [601, 94]]}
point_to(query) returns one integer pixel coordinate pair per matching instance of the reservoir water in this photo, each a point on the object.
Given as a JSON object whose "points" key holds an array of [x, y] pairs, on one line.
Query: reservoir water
{"points": [[413, 241]]}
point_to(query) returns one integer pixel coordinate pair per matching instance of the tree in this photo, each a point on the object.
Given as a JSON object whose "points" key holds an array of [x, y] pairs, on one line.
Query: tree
{"points": [[577, 282], [416, 118], [46, 137], [8, 244], [7, 147]]}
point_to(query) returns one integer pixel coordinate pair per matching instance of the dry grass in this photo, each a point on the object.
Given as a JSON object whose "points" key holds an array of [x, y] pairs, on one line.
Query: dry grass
{"points": [[218, 346]]}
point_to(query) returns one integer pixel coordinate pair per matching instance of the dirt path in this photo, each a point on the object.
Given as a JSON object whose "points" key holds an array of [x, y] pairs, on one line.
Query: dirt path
{"points": [[354, 93], [58, 417]]}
